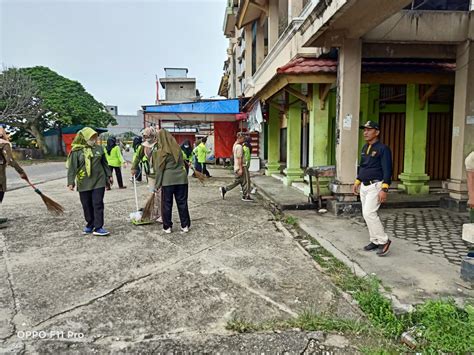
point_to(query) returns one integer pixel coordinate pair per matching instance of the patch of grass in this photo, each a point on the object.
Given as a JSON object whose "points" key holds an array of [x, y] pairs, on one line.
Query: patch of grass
{"points": [[446, 327], [290, 220]]}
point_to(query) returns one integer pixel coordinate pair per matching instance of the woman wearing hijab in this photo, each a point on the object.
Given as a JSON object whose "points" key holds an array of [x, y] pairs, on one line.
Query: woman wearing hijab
{"points": [[6, 158], [87, 166], [136, 144], [172, 179], [115, 160], [187, 154], [144, 156]]}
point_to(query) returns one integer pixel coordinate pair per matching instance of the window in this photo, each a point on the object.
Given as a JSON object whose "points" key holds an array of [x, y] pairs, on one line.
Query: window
{"points": [[254, 47], [439, 5]]}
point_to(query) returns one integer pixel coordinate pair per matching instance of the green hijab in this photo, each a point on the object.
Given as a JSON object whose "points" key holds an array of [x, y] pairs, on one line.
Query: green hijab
{"points": [[80, 142], [167, 145]]}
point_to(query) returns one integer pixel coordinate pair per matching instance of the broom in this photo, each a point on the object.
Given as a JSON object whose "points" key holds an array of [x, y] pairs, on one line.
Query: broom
{"points": [[149, 207], [51, 205], [201, 177]]}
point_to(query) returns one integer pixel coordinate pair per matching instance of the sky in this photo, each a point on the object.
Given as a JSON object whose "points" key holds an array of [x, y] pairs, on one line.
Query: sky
{"points": [[114, 48]]}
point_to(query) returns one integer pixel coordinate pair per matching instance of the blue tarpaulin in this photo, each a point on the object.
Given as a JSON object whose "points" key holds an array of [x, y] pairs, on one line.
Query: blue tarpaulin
{"points": [[214, 107]]}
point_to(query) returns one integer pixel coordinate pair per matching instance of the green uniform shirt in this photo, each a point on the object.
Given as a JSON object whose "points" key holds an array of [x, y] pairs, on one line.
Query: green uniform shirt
{"points": [[100, 170], [139, 157], [115, 158], [247, 155], [202, 152], [6, 158], [173, 173]]}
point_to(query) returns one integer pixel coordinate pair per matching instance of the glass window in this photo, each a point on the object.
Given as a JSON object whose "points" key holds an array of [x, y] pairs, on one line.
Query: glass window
{"points": [[439, 5]]}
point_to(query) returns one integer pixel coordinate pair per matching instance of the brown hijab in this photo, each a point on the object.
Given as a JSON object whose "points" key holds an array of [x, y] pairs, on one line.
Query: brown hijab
{"points": [[167, 145]]}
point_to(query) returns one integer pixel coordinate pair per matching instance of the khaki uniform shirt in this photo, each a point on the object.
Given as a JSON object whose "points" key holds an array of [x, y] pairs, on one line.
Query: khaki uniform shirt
{"points": [[6, 158]]}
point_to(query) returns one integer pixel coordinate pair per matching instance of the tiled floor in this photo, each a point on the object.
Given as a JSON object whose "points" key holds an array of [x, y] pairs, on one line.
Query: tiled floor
{"points": [[432, 230]]}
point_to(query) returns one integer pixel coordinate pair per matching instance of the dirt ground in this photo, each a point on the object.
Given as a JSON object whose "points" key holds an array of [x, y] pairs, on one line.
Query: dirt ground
{"points": [[141, 290]]}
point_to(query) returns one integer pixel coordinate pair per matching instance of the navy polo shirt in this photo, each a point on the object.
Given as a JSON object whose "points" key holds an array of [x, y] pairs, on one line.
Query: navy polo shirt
{"points": [[375, 163]]}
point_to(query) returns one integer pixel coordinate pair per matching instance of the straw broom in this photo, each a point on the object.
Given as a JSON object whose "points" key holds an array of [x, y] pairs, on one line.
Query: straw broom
{"points": [[201, 177], [149, 207], [51, 205]]}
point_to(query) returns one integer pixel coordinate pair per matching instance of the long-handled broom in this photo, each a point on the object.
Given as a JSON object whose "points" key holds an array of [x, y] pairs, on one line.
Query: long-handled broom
{"points": [[51, 205], [201, 177], [149, 207]]}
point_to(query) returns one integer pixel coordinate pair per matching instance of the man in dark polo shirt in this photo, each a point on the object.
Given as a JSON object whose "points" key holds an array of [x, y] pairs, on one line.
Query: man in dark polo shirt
{"points": [[372, 183]]}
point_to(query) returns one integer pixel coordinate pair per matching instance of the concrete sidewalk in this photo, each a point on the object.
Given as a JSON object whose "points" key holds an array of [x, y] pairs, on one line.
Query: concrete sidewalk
{"points": [[424, 257], [141, 289]]}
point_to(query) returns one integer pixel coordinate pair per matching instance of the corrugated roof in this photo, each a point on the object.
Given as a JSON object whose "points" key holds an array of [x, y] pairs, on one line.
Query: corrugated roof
{"points": [[303, 65]]}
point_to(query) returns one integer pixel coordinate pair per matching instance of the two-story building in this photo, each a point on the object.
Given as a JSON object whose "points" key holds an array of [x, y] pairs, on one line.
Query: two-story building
{"points": [[321, 67]]}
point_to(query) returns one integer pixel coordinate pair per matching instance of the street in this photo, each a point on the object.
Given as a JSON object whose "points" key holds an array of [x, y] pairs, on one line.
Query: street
{"points": [[143, 290]]}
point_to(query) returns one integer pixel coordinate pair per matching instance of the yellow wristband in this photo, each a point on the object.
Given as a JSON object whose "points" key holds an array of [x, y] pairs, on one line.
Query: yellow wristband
{"points": [[385, 186], [357, 182]]}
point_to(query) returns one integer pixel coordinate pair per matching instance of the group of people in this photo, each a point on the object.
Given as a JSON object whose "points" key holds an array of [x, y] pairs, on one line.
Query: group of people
{"points": [[158, 156], [166, 166]]}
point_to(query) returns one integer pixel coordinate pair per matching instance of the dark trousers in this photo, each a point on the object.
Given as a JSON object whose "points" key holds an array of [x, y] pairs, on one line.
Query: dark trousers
{"points": [[180, 193], [118, 174], [2, 194], [93, 205], [201, 167]]}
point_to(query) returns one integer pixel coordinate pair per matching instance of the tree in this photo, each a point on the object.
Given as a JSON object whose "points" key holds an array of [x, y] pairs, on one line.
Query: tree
{"points": [[55, 101], [20, 104]]}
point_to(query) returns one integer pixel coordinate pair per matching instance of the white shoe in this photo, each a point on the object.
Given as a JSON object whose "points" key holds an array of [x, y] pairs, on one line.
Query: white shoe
{"points": [[184, 230], [254, 191], [167, 231]]}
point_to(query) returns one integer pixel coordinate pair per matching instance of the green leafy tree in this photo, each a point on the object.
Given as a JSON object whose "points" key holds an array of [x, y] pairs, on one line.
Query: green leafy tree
{"points": [[57, 101]]}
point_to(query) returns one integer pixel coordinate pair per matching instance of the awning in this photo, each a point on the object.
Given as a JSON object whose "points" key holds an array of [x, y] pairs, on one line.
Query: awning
{"points": [[202, 111]]}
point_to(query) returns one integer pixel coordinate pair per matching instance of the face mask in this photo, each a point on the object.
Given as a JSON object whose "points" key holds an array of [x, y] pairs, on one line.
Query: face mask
{"points": [[91, 142], [186, 146]]}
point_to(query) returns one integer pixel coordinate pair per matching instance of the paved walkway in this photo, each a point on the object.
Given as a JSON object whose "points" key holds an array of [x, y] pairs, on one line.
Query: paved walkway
{"points": [[141, 289], [425, 255]]}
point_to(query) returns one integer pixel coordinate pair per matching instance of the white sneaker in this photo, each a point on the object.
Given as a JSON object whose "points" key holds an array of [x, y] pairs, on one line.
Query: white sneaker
{"points": [[254, 191], [184, 230], [167, 231]]}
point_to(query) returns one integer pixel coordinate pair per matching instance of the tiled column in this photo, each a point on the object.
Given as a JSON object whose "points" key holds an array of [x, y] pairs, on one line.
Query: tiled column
{"points": [[463, 125], [414, 179], [293, 170], [319, 136], [273, 165], [347, 129]]}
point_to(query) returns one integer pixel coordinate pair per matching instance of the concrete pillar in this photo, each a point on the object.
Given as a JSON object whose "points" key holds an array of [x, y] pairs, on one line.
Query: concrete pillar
{"points": [[463, 123], [293, 169], [273, 165], [294, 9], [369, 107], [414, 179], [272, 23], [319, 146], [248, 52], [260, 45], [347, 129]]}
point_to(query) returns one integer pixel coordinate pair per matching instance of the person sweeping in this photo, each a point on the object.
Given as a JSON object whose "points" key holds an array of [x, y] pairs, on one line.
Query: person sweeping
{"points": [[172, 179], [187, 154], [6, 158], [144, 156], [88, 167], [115, 160]]}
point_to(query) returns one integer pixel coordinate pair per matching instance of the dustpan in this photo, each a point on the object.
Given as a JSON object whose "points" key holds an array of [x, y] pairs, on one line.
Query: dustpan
{"points": [[136, 217]]}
